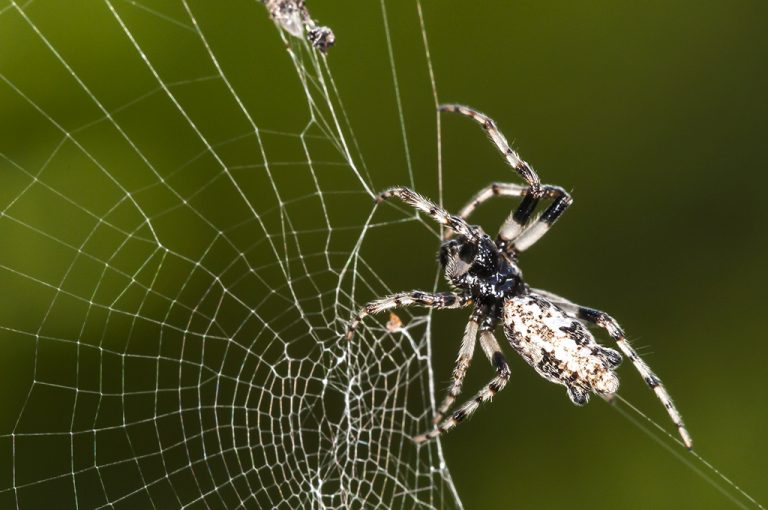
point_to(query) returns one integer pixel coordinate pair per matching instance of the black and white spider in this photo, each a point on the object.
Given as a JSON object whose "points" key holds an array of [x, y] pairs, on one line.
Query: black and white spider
{"points": [[548, 331]]}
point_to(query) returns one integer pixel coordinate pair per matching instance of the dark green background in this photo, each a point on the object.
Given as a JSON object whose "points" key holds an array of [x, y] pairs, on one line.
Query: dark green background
{"points": [[652, 113]]}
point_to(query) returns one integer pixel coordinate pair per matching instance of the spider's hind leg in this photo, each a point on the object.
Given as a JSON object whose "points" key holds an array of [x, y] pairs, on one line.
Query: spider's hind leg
{"points": [[605, 321]]}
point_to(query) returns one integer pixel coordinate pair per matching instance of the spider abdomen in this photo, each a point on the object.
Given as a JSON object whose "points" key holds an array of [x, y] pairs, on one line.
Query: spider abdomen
{"points": [[560, 348]]}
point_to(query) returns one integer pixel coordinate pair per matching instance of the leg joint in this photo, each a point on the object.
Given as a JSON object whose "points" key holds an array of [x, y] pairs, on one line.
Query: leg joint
{"points": [[603, 320]]}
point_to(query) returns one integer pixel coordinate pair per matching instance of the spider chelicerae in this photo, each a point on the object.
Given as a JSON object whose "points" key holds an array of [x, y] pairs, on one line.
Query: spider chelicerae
{"points": [[549, 332]]}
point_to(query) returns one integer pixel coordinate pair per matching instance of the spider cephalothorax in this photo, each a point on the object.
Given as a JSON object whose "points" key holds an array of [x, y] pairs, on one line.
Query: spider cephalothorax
{"points": [[549, 332], [479, 268]]}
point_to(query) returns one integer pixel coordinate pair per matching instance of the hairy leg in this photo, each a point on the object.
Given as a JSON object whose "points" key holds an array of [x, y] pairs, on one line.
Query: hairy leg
{"points": [[439, 214], [491, 347], [462, 365], [605, 321], [412, 298], [518, 233]]}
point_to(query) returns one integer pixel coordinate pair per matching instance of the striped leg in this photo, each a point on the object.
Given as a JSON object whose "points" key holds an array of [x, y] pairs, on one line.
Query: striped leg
{"points": [[416, 297], [608, 323], [517, 233], [514, 228], [462, 365], [515, 225], [436, 212], [493, 351], [512, 157], [658, 387], [497, 189]]}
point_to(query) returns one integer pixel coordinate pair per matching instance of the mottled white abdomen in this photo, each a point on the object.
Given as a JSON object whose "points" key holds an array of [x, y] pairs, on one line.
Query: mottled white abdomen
{"points": [[559, 347]]}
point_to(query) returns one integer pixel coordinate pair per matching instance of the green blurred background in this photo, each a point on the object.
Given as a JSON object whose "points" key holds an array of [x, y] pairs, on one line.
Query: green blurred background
{"points": [[652, 113]]}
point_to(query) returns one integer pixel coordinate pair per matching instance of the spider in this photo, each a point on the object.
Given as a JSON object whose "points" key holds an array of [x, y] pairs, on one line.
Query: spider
{"points": [[549, 332]]}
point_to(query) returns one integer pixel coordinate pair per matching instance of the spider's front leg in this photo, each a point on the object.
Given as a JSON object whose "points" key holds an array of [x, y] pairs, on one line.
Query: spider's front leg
{"points": [[497, 137], [413, 298], [515, 235], [518, 233], [496, 189], [439, 214]]}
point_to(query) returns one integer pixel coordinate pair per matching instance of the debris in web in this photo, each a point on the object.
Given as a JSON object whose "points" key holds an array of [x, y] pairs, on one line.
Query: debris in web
{"points": [[394, 323], [293, 16]]}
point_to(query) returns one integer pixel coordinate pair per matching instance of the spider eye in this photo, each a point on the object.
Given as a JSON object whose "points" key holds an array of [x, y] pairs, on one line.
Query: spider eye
{"points": [[467, 252]]}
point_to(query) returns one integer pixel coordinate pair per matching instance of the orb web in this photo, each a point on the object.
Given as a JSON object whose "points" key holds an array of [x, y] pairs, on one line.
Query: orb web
{"points": [[182, 251]]}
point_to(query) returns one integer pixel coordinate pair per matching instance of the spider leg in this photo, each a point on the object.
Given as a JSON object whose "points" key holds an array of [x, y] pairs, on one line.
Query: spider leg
{"points": [[514, 227], [493, 351], [496, 189], [439, 214], [512, 157], [416, 297], [517, 234], [605, 321], [492, 190], [462, 365]]}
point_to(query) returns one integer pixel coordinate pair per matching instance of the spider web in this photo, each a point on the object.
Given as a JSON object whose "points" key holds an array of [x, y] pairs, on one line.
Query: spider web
{"points": [[180, 261]]}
